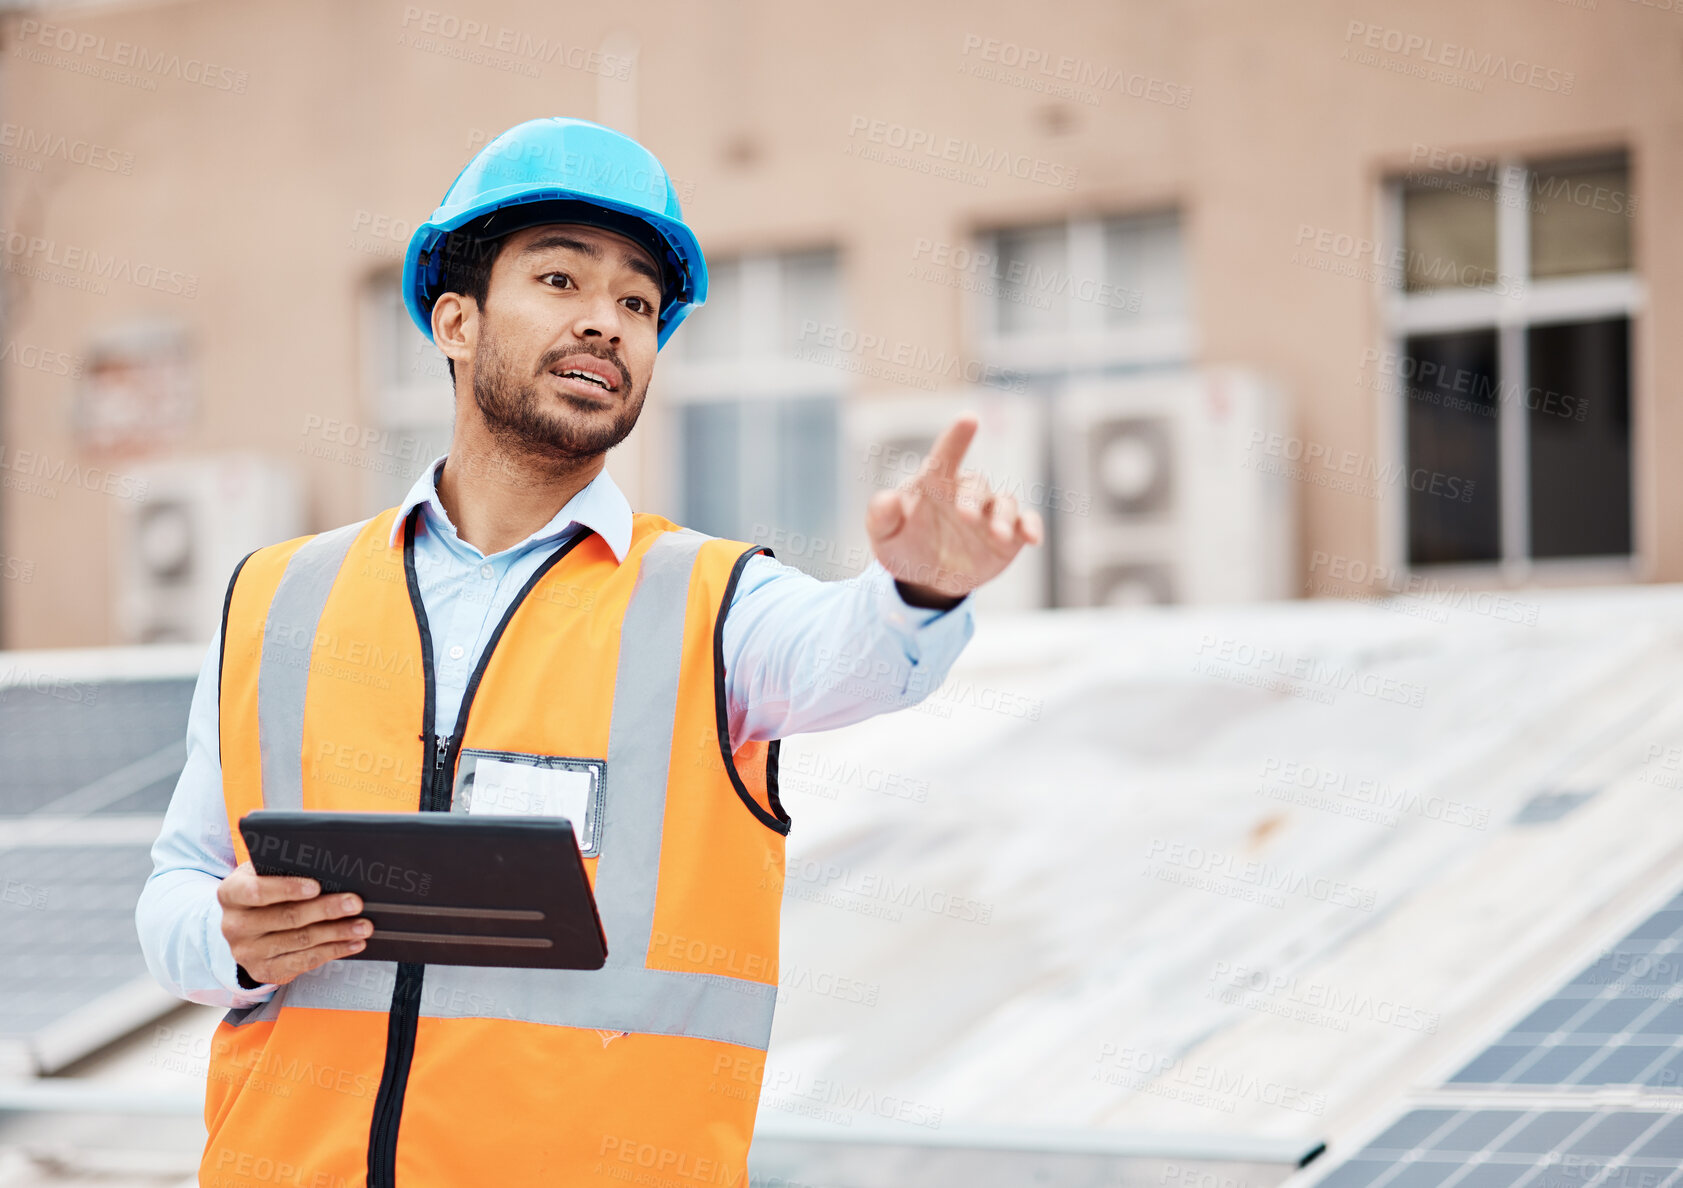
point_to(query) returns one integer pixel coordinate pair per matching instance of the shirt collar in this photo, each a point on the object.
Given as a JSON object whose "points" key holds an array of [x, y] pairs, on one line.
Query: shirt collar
{"points": [[600, 506]]}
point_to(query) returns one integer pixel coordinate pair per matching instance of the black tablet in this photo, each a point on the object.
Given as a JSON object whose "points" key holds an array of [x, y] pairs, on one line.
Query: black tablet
{"points": [[445, 888]]}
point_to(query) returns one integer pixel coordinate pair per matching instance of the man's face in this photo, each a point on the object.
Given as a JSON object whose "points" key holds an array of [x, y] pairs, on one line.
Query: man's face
{"points": [[566, 302]]}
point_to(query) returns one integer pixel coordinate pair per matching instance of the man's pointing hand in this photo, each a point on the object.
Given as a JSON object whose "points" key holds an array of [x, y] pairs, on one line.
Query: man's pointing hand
{"points": [[943, 532]]}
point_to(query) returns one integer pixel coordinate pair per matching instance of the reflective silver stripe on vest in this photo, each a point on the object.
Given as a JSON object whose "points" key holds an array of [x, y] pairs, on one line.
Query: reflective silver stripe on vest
{"points": [[289, 636], [624, 996]]}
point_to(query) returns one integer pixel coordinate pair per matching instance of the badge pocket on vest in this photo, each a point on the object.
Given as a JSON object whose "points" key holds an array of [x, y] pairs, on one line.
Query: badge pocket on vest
{"points": [[513, 784]]}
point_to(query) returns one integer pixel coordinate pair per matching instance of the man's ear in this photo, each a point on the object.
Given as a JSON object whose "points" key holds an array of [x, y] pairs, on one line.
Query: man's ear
{"points": [[455, 326]]}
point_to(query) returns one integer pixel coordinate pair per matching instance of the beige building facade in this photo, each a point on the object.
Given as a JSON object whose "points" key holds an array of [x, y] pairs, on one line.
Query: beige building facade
{"points": [[1441, 232]]}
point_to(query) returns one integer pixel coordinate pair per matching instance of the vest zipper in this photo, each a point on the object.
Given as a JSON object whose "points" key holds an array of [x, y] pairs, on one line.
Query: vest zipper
{"points": [[405, 1014]]}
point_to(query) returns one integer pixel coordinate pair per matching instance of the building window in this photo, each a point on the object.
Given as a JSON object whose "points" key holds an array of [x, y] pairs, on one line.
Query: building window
{"points": [[1510, 310], [758, 410], [1085, 294]]}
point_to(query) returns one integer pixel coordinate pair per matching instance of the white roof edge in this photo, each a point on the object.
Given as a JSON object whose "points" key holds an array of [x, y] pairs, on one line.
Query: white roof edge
{"points": [[105, 1020], [138, 663], [1235, 1148]]}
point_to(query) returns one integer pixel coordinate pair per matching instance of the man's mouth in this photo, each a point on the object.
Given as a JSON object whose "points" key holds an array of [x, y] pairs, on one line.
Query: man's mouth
{"points": [[593, 373]]}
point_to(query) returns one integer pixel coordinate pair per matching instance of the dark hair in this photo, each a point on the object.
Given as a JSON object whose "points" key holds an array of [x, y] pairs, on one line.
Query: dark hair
{"points": [[467, 269]]}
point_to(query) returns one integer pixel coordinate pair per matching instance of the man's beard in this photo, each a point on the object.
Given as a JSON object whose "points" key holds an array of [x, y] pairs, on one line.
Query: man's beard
{"points": [[518, 422]]}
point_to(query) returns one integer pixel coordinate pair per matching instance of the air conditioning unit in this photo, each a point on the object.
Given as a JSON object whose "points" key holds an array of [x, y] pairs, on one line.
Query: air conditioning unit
{"points": [[1171, 505], [175, 544], [888, 438]]}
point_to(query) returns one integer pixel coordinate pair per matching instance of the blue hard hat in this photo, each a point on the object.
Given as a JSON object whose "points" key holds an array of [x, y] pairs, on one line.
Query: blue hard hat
{"points": [[564, 171]]}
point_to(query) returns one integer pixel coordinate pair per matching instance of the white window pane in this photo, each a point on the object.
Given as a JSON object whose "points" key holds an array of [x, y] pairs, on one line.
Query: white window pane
{"points": [[1145, 270], [1033, 287], [811, 296]]}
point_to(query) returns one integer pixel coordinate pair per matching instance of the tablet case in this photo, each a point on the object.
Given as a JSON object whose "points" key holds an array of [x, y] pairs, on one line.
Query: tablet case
{"points": [[444, 888]]}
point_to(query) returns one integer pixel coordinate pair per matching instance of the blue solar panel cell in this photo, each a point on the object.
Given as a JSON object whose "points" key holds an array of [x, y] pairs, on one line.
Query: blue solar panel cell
{"points": [[1489, 1066], [1666, 1075], [1477, 1130], [1612, 1134], [1623, 1065], [1667, 1021], [1665, 1143], [1428, 1173], [1412, 1130], [1611, 1017], [1493, 1175], [1545, 1133], [1552, 1065]]}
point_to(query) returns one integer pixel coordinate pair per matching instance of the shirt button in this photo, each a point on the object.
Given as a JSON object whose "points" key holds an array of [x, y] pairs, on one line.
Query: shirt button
{"points": [[457, 652], [485, 571]]}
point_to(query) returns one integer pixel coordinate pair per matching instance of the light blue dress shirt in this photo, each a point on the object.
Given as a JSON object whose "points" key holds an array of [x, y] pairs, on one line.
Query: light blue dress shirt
{"points": [[790, 644]]}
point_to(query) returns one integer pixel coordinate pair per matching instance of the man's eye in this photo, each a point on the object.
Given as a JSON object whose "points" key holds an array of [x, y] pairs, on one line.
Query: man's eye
{"points": [[643, 306], [546, 277]]}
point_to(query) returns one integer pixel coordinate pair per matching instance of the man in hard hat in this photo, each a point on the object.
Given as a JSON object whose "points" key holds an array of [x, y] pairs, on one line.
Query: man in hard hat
{"points": [[514, 608]]}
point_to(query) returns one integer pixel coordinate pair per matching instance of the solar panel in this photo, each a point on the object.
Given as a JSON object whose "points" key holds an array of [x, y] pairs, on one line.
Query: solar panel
{"points": [[67, 929], [87, 767], [1618, 1021], [1486, 1148], [60, 735]]}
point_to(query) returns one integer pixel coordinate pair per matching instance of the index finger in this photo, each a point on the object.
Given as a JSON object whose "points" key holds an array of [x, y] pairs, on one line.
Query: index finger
{"points": [[246, 888], [949, 449]]}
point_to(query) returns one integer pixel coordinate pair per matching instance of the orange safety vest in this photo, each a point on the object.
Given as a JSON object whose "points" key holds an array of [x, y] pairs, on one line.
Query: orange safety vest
{"points": [[648, 1070]]}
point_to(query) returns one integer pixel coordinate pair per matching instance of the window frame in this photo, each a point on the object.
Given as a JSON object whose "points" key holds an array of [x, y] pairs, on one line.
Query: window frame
{"points": [[1521, 304]]}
